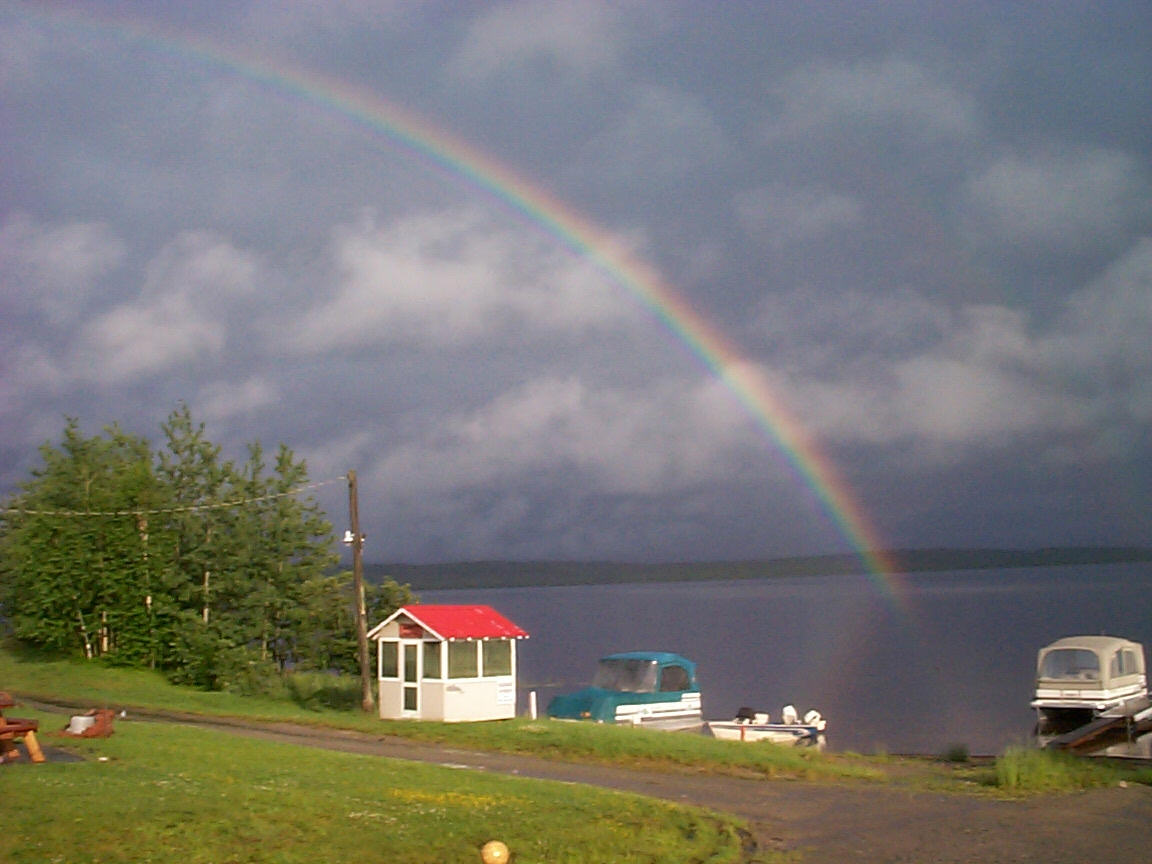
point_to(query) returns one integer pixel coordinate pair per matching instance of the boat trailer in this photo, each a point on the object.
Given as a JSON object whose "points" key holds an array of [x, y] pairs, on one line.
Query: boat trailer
{"points": [[1117, 727]]}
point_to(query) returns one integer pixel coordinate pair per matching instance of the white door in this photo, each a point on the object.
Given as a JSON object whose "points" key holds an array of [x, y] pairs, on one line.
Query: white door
{"points": [[410, 675]]}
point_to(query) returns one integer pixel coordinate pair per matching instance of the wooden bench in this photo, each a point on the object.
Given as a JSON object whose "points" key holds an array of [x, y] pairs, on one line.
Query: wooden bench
{"points": [[13, 728]]}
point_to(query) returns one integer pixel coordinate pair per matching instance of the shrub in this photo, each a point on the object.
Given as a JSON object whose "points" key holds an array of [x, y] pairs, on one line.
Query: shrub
{"points": [[1027, 769], [955, 753], [316, 690], [205, 658]]}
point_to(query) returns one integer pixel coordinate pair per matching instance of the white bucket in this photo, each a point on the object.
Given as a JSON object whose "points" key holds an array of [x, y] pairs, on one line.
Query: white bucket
{"points": [[80, 722]]}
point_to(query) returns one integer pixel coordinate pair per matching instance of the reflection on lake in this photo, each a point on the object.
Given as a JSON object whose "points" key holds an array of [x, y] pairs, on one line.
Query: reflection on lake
{"points": [[953, 663]]}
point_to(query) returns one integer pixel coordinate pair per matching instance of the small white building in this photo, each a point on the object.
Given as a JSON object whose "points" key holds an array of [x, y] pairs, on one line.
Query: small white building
{"points": [[449, 663]]}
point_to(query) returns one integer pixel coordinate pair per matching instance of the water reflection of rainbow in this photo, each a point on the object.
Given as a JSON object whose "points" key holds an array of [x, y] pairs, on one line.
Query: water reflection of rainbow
{"points": [[612, 258]]}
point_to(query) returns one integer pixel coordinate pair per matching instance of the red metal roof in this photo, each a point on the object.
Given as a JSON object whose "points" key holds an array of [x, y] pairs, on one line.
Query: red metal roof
{"points": [[463, 622]]}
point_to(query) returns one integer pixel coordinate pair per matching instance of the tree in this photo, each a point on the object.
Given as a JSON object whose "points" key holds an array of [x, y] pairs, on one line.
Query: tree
{"points": [[199, 482], [325, 620], [177, 559], [79, 563], [288, 543]]}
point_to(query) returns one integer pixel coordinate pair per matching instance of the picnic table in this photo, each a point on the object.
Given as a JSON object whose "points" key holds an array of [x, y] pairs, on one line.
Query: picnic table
{"points": [[17, 728]]}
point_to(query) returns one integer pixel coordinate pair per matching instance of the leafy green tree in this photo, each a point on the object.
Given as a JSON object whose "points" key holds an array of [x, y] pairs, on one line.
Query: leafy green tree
{"points": [[325, 624], [178, 559], [288, 544], [246, 544], [325, 637], [79, 562], [199, 482]]}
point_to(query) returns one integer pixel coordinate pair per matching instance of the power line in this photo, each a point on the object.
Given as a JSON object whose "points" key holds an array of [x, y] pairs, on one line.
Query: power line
{"points": [[188, 508]]}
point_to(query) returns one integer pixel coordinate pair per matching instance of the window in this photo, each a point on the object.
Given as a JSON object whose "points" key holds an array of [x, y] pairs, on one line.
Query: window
{"points": [[431, 659], [389, 660], [463, 660], [1131, 663], [1123, 663], [1071, 663], [410, 663], [674, 679], [498, 657], [626, 675]]}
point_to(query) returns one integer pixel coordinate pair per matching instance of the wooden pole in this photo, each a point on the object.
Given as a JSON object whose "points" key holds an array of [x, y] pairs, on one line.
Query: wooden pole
{"points": [[367, 703]]}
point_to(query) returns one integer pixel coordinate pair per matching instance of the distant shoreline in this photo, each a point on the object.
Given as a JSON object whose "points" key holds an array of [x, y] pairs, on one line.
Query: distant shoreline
{"points": [[514, 574]]}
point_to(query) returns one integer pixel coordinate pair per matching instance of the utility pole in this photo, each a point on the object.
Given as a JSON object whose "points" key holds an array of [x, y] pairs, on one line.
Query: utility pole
{"points": [[366, 701]]}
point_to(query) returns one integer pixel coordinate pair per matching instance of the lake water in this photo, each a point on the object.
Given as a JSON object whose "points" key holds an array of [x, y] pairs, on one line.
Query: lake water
{"points": [[950, 661]]}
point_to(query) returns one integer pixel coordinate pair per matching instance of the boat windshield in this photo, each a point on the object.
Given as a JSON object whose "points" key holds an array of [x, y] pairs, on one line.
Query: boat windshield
{"points": [[626, 675], [1071, 663]]}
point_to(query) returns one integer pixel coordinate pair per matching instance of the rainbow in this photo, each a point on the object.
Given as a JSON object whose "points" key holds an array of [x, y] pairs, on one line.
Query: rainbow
{"points": [[449, 153]]}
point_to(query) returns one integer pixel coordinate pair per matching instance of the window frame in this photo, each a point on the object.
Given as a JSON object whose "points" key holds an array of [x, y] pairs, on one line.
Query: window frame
{"points": [[458, 663], [503, 647], [389, 652]]}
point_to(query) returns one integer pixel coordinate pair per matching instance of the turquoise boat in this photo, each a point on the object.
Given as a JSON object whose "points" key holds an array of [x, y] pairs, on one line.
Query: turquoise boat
{"points": [[655, 689]]}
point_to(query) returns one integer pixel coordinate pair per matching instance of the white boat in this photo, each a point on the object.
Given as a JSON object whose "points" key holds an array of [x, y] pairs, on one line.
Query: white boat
{"points": [[791, 730], [1091, 692], [1082, 678]]}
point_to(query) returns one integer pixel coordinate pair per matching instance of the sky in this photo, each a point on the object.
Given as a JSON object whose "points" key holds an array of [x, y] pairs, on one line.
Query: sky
{"points": [[654, 280]]}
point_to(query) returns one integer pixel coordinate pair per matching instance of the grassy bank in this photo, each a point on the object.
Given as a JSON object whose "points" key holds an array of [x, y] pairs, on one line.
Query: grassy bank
{"points": [[1023, 769], [306, 700], [166, 793], [310, 700]]}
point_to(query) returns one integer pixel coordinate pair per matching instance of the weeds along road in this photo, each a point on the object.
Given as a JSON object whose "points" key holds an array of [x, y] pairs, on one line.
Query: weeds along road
{"points": [[822, 822]]}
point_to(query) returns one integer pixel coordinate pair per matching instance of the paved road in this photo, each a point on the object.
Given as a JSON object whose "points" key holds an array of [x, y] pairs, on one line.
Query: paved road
{"points": [[849, 822]]}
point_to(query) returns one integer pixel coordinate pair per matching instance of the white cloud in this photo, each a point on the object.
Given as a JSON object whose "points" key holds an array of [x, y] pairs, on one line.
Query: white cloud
{"points": [[30, 369], [1054, 201], [336, 453], [450, 280], [1115, 310], [182, 315], [54, 268], [982, 379], [941, 401], [205, 267], [940, 404], [782, 214], [144, 340], [1102, 344], [221, 400], [579, 39], [624, 441], [989, 376], [893, 91]]}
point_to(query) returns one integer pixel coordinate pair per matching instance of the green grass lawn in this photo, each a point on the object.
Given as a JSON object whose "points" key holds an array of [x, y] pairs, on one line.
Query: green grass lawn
{"points": [[166, 793], [304, 699], [96, 685]]}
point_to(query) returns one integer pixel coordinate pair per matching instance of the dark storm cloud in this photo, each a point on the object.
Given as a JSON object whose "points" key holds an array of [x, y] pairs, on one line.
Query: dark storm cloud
{"points": [[928, 228]]}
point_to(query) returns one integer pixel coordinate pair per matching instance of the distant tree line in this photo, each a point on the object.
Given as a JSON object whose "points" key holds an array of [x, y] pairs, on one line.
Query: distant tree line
{"points": [[515, 574], [215, 572]]}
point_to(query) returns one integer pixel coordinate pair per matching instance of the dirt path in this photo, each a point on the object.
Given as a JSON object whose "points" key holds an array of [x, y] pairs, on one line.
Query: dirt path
{"points": [[818, 822]]}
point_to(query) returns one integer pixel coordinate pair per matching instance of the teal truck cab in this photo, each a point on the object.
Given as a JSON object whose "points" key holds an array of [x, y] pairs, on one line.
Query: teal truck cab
{"points": [[644, 688]]}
